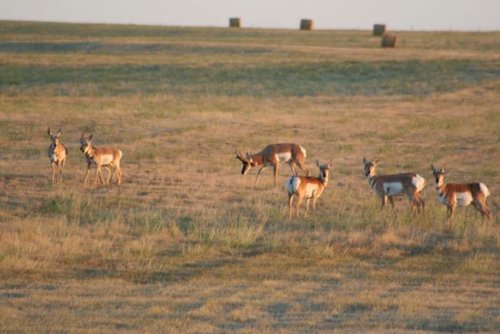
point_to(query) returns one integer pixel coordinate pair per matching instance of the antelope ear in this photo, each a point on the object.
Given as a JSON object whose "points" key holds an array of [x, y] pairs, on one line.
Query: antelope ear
{"points": [[375, 162], [364, 160], [90, 137], [59, 132], [317, 163], [48, 131]]}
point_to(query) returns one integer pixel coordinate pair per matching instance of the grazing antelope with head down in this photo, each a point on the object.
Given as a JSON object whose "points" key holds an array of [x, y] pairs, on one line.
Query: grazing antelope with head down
{"points": [[461, 194], [57, 155], [102, 157], [306, 187], [274, 155], [388, 186]]}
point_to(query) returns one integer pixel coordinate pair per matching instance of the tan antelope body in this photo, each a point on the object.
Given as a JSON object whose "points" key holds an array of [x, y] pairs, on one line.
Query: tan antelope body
{"points": [[101, 157], [461, 194], [306, 187], [57, 155], [388, 186], [274, 155]]}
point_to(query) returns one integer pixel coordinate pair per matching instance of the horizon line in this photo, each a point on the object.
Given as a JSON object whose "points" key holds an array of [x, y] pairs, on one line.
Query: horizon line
{"points": [[450, 29]]}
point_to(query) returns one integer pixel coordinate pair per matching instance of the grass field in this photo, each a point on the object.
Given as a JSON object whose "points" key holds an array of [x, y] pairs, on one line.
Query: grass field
{"points": [[187, 244]]}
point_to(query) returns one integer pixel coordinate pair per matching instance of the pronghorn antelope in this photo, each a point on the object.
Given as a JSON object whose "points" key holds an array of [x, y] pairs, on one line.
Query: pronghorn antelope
{"points": [[461, 194], [102, 157], [274, 155], [387, 186], [57, 155], [306, 187]]}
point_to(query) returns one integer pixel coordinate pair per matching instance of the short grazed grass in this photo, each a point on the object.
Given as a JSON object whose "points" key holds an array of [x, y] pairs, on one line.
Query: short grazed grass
{"points": [[186, 244], [259, 80]]}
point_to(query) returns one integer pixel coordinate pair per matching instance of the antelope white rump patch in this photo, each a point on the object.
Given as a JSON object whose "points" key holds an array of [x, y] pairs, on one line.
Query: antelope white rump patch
{"points": [[292, 184], [303, 150], [484, 189], [392, 188], [418, 182]]}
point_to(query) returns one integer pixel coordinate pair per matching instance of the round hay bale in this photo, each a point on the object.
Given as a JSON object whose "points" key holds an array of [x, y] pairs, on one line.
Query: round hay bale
{"points": [[388, 40], [306, 24], [235, 22], [378, 29]]}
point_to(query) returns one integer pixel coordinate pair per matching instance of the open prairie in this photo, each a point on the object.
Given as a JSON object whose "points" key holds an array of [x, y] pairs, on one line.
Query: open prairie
{"points": [[186, 243]]}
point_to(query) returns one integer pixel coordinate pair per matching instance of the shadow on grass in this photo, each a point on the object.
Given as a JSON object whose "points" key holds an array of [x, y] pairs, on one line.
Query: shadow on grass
{"points": [[447, 324], [182, 273]]}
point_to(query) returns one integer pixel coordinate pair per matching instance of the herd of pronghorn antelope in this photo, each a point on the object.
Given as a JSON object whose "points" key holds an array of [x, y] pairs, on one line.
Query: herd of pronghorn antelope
{"points": [[385, 186], [302, 187]]}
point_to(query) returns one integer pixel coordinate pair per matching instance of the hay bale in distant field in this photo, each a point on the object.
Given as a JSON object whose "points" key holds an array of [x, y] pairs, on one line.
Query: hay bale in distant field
{"points": [[235, 22], [306, 24], [378, 29], [388, 40]]}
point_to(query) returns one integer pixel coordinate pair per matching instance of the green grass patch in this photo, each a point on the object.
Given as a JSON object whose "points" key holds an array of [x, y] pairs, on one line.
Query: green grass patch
{"points": [[327, 78]]}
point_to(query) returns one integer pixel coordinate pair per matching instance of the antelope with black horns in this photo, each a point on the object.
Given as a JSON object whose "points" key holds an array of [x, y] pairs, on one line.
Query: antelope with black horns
{"points": [[272, 156]]}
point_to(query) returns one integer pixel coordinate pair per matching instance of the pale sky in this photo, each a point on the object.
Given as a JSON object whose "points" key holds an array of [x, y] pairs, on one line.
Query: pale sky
{"points": [[327, 14]]}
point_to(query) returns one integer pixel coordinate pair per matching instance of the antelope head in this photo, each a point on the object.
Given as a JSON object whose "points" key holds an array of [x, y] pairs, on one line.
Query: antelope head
{"points": [[324, 170], [370, 167], [438, 174], [55, 138], [247, 162], [85, 143]]}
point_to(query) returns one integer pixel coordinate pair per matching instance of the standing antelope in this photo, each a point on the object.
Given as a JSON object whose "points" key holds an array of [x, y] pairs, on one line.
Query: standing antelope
{"points": [[306, 187], [274, 155], [102, 157], [461, 194], [388, 186], [57, 154]]}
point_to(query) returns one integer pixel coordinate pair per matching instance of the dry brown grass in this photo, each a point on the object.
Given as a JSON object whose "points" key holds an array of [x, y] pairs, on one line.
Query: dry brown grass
{"points": [[186, 244]]}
